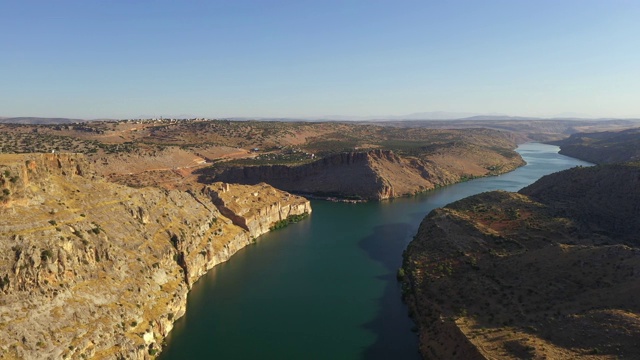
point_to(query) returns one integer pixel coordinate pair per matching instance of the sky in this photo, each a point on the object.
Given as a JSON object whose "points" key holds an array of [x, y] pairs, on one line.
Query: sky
{"points": [[297, 58]]}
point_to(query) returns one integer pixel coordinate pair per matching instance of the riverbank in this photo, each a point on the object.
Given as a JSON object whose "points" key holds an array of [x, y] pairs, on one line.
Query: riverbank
{"points": [[326, 287]]}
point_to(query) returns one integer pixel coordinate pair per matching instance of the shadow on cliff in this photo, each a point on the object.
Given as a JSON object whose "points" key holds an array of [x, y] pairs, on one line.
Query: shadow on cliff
{"points": [[392, 325], [205, 175]]}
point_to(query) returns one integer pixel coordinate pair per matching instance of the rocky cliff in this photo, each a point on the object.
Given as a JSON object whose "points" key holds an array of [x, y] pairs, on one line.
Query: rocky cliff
{"points": [[255, 208], [94, 269], [551, 272], [377, 174]]}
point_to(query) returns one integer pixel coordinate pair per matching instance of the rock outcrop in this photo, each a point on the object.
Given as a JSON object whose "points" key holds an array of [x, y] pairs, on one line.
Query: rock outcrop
{"points": [[94, 269], [550, 272], [377, 174], [240, 203]]}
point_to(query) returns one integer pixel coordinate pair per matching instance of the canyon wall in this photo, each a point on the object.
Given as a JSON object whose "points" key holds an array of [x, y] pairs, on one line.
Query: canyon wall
{"points": [[94, 269], [376, 174]]}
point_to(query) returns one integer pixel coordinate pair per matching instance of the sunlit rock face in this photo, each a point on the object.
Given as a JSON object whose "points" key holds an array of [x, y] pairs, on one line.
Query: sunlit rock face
{"points": [[89, 268]]}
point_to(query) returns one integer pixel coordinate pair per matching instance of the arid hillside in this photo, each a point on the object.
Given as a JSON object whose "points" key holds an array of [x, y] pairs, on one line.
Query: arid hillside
{"points": [[92, 269], [550, 272], [603, 147], [379, 161], [356, 160]]}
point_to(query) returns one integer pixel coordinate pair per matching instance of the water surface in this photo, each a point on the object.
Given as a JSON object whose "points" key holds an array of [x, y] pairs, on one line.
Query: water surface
{"points": [[325, 288]]}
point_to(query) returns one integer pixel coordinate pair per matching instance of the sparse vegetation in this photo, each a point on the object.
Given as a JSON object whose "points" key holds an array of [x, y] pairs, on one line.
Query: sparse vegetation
{"points": [[46, 255], [4, 282], [289, 220]]}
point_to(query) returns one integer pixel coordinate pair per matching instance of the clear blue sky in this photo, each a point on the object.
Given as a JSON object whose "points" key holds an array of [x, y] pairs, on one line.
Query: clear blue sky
{"points": [[118, 59]]}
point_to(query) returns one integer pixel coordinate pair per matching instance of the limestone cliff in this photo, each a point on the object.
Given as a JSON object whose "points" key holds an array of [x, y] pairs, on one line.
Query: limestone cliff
{"points": [[550, 272], [238, 203], [377, 174], [94, 269]]}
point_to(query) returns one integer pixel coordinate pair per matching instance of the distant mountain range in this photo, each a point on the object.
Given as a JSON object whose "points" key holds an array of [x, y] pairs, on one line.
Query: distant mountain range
{"points": [[45, 120], [439, 115], [37, 120], [432, 115]]}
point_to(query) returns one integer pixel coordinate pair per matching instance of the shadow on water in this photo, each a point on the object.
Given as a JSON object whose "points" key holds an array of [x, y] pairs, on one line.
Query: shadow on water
{"points": [[325, 288], [392, 326]]}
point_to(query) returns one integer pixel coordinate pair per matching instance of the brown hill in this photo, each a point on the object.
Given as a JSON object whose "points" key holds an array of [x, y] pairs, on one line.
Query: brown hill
{"points": [[90, 268], [603, 147], [525, 129], [551, 272], [602, 197]]}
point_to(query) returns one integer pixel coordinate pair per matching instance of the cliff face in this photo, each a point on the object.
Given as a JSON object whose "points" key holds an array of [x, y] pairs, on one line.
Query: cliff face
{"points": [[548, 272], [238, 203], [93, 269], [332, 175], [376, 174]]}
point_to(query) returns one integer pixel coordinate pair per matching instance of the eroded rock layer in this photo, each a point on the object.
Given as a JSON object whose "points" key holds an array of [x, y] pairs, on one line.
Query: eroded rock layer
{"points": [[378, 174], [94, 269]]}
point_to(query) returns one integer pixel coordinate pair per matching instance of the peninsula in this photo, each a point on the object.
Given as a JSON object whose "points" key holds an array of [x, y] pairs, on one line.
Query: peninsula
{"points": [[550, 271]]}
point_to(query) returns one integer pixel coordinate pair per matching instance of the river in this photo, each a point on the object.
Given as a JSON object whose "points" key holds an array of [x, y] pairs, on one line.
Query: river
{"points": [[326, 288]]}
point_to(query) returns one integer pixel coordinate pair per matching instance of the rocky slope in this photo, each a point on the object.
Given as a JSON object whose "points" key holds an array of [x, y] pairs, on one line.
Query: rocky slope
{"points": [[550, 272], [94, 269], [603, 147], [377, 174]]}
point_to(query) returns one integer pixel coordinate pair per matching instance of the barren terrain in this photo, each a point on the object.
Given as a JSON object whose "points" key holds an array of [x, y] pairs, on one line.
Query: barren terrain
{"points": [[550, 272], [176, 153]]}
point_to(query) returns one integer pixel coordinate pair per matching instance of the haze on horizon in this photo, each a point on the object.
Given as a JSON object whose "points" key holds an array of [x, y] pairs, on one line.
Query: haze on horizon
{"points": [[120, 59]]}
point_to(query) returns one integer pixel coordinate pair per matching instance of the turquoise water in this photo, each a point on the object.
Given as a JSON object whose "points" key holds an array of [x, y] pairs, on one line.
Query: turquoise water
{"points": [[325, 288]]}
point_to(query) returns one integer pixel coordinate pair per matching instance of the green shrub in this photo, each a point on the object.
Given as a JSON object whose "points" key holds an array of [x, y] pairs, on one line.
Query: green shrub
{"points": [[4, 281], [46, 255], [289, 220]]}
